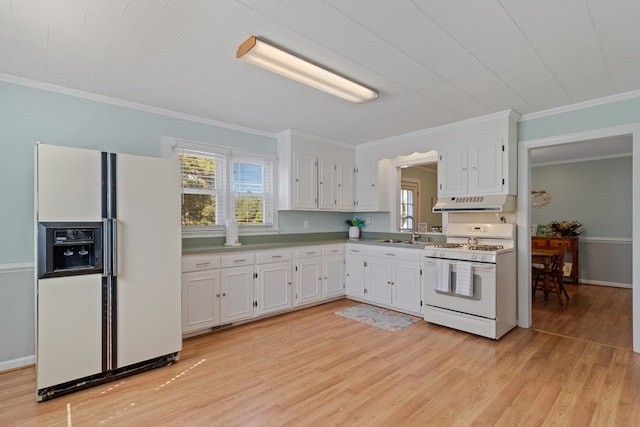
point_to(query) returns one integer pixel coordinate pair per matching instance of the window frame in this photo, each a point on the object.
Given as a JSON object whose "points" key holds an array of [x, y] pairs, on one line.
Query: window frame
{"points": [[172, 147], [413, 185]]}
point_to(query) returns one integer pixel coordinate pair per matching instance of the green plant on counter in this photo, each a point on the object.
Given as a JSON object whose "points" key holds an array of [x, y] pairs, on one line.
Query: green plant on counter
{"points": [[356, 222]]}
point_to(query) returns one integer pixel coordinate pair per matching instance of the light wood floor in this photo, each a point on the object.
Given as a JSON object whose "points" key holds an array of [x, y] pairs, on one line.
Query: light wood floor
{"points": [[312, 367], [601, 314]]}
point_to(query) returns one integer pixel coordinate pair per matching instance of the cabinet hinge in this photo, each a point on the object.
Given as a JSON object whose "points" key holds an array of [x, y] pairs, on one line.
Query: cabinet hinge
{"points": [[440, 157], [441, 186], [365, 290], [420, 303], [296, 268], [503, 148], [365, 263], [421, 272], [502, 181], [255, 303]]}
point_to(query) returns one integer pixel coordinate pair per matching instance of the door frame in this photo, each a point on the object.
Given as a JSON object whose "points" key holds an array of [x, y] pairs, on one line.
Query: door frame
{"points": [[524, 216]]}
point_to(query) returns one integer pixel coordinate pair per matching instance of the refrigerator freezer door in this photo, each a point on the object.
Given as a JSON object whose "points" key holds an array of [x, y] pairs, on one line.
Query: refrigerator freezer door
{"points": [[148, 258], [69, 184], [69, 338]]}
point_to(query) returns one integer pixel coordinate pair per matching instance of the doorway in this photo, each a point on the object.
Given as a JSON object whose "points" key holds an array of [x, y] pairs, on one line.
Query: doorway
{"points": [[524, 217]]}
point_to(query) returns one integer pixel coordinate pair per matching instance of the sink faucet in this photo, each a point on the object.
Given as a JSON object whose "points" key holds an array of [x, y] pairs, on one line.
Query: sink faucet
{"points": [[413, 228]]}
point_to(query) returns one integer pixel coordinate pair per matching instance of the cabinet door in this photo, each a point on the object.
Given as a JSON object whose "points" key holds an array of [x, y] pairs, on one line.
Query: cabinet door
{"points": [[305, 182], [378, 278], [237, 293], [333, 267], [200, 300], [327, 184], [274, 287], [452, 172], [309, 277], [346, 186], [354, 275], [405, 290], [485, 167], [366, 186]]}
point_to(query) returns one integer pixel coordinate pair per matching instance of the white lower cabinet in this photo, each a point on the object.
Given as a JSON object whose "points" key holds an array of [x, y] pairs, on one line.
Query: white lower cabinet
{"points": [[200, 292], [392, 276], [378, 280], [237, 299], [274, 284], [200, 300], [239, 286], [354, 270], [319, 273]]}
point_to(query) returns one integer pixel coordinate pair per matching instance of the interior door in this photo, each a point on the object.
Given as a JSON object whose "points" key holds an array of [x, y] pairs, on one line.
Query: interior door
{"points": [[148, 258]]}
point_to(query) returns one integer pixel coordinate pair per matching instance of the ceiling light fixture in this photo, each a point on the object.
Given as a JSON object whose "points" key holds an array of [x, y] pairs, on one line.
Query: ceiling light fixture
{"points": [[273, 59]]}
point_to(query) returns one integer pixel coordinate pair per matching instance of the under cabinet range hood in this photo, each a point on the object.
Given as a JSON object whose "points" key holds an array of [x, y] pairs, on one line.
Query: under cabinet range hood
{"points": [[486, 203]]}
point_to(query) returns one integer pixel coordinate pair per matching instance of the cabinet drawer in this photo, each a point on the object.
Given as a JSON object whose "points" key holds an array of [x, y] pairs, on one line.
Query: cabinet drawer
{"points": [[200, 262], [309, 251], [557, 243], [351, 248], [394, 253], [538, 243], [265, 257], [236, 260], [333, 249]]}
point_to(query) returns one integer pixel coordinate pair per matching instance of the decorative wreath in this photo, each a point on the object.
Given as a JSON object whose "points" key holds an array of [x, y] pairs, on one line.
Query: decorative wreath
{"points": [[540, 198]]}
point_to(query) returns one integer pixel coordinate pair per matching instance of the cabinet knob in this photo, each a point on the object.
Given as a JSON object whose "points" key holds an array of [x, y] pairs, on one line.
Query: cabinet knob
{"points": [[218, 295], [224, 294]]}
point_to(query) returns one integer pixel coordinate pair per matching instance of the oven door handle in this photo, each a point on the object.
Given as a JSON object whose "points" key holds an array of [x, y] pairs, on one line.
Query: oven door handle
{"points": [[477, 266]]}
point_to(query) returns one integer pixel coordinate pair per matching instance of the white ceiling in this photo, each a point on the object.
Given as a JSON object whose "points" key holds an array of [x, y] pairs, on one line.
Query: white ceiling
{"points": [[433, 61]]}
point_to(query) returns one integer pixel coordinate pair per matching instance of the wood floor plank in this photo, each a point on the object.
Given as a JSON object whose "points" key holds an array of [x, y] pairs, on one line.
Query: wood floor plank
{"points": [[313, 367]]}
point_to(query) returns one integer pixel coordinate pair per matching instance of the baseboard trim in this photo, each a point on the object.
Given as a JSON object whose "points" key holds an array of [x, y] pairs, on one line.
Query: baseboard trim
{"points": [[601, 283], [14, 364]]}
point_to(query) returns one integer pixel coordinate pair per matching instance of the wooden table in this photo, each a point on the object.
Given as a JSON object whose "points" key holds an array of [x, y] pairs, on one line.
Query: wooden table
{"points": [[546, 258], [572, 244]]}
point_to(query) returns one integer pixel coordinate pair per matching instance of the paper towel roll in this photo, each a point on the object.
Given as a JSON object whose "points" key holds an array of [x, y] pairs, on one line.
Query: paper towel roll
{"points": [[232, 233]]}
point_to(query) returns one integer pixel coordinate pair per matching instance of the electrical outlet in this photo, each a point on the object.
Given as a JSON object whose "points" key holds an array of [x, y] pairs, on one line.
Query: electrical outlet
{"points": [[368, 221], [306, 224]]}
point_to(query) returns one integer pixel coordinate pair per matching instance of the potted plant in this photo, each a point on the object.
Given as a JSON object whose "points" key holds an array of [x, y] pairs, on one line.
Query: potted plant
{"points": [[354, 227]]}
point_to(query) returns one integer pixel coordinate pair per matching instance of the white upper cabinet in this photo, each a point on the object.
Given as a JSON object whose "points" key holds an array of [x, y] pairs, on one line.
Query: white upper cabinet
{"points": [[367, 186], [314, 173], [305, 187], [346, 185], [475, 168]]}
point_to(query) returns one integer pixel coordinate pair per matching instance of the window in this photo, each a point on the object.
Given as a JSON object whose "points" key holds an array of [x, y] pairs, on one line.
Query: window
{"points": [[219, 184], [409, 193]]}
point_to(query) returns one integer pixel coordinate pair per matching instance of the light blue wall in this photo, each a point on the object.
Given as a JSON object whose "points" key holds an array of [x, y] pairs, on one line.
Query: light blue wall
{"points": [[596, 193], [28, 115], [622, 112]]}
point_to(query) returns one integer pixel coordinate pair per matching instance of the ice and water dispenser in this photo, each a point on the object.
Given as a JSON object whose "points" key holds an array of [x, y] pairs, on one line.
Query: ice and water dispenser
{"points": [[67, 249]]}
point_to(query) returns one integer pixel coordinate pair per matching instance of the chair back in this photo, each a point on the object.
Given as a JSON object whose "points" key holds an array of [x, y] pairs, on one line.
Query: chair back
{"points": [[557, 265]]}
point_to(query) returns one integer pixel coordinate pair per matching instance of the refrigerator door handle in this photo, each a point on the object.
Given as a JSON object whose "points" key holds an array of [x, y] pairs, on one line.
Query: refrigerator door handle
{"points": [[106, 248], [114, 247]]}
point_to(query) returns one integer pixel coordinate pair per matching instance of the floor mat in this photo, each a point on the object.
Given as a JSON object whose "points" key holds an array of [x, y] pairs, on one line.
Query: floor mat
{"points": [[378, 317]]}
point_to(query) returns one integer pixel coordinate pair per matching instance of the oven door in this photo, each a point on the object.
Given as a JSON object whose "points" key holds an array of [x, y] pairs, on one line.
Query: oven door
{"points": [[483, 301]]}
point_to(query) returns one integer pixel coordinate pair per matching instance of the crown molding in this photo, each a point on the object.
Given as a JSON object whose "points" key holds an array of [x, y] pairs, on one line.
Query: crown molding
{"points": [[50, 87], [581, 105]]}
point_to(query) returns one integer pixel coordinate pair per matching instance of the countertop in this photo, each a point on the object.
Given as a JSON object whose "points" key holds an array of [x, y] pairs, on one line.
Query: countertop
{"points": [[276, 245]]}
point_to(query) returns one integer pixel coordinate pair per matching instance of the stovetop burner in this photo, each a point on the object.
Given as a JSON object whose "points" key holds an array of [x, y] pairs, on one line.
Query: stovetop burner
{"points": [[485, 247], [449, 245]]}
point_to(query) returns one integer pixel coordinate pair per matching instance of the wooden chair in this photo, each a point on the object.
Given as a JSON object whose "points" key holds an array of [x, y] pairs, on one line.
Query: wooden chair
{"points": [[552, 274]]}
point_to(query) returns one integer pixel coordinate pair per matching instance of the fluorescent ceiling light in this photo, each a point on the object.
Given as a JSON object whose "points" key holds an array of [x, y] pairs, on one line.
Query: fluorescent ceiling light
{"points": [[273, 59]]}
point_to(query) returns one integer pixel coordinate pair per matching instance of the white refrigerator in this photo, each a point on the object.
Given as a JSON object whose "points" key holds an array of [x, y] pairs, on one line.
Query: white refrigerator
{"points": [[122, 316]]}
